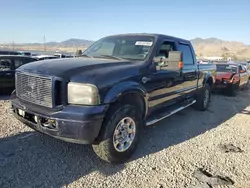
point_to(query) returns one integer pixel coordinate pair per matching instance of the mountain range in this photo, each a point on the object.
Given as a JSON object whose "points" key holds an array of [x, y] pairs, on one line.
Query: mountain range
{"points": [[67, 43], [217, 47], [203, 47]]}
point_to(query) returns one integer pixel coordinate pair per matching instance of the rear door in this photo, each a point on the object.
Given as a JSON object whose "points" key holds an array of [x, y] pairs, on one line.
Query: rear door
{"points": [[190, 68], [7, 73]]}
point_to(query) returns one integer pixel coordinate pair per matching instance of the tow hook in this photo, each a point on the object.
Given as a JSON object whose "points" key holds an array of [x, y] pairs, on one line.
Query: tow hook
{"points": [[49, 123]]}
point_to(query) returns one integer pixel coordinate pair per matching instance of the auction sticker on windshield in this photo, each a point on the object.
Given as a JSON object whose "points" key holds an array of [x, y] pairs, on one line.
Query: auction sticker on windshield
{"points": [[143, 43]]}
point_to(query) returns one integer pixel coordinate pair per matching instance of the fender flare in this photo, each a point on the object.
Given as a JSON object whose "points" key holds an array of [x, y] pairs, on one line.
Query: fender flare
{"points": [[127, 87], [207, 77]]}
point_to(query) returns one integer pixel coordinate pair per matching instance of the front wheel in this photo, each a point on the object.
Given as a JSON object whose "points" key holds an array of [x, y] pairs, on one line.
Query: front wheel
{"points": [[203, 98], [121, 131]]}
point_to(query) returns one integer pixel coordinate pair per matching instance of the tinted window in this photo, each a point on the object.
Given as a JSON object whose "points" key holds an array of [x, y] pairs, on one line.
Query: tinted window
{"points": [[187, 54], [5, 64], [18, 63], [165, 48], [242, 68]]}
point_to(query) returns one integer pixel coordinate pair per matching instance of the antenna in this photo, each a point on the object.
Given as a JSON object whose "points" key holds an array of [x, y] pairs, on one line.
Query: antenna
{"points": [[44, 43]]}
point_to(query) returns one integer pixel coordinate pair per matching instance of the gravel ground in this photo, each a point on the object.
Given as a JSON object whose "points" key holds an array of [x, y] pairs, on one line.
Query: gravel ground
{"points": [[169, 154]]}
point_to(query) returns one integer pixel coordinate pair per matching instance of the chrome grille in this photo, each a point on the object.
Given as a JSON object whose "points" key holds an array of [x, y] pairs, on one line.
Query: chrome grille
{"points": [[34, 89]]}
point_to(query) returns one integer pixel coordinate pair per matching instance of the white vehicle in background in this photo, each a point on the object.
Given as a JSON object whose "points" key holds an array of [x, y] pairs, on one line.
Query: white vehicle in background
{"points": [[60, 55], [43, 57]]}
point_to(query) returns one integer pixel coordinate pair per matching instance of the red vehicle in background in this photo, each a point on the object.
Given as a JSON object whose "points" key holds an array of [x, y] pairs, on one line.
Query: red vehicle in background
{"points": [[230, 77]]}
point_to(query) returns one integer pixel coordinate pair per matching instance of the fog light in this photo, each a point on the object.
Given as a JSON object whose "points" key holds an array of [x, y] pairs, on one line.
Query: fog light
{"points": [[21, 112], [36, 119]]}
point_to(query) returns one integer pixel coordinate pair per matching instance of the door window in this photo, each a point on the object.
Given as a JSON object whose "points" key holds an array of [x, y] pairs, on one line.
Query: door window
{"points": [[241, 68], [165, 48], [18, 63], [244, 68], [187, 54], [5, 64]]}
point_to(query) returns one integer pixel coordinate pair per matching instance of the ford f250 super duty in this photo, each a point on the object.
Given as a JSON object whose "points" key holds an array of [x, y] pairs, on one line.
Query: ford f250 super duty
{"points": [[104, 98]]}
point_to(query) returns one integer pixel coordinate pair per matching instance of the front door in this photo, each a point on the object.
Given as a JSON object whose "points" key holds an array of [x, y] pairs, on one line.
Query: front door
{"points": [[243, 75], [164, 86], [7, 74]]}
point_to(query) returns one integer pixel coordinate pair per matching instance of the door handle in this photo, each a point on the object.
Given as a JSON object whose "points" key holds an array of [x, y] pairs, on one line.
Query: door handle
{"points": [[8, 74]]}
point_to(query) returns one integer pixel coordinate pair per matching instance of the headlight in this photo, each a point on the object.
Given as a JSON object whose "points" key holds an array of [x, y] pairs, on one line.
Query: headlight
{"points": [[84, 94]]}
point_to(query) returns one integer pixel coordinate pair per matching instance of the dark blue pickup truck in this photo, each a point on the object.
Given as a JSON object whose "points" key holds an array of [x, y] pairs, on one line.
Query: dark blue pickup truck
{"points": [[119, 85]]}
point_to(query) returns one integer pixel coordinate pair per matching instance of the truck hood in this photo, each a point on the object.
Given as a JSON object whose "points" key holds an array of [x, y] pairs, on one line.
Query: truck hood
{"points": [[91, 70]]}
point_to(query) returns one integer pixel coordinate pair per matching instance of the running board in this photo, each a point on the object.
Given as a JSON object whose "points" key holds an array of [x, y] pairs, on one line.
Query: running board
{"points": [[168, 113]]}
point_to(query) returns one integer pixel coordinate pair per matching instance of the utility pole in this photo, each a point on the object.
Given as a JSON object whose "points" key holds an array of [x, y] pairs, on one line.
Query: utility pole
{"points": [[44, 43], [13, 45]]}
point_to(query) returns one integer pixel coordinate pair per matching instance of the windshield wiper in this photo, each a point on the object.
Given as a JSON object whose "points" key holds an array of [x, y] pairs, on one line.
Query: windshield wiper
{"points": [[109, 56]]}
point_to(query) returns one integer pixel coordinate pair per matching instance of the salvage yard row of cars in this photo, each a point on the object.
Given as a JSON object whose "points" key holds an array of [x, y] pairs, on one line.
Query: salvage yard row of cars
{"points": [[119, 85], [10, 61]]}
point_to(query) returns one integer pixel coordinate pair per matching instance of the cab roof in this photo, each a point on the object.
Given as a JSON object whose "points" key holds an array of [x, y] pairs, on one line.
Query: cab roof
{"points": [[160, 36]]}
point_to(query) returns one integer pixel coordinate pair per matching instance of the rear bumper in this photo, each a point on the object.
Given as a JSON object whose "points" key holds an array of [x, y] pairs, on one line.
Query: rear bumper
{"points": [[77, 124], [222, 85]]}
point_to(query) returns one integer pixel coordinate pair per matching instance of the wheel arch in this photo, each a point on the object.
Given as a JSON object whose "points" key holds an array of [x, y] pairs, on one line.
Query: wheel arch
{"points": [[128, 90], [209, 79]]}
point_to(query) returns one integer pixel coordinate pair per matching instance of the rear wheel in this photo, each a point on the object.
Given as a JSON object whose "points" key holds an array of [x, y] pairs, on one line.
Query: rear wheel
{"points": [[203, 98], [121, 131]]}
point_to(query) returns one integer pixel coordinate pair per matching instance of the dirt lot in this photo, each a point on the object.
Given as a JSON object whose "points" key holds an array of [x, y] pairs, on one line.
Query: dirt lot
{"points": [[169, 154]]}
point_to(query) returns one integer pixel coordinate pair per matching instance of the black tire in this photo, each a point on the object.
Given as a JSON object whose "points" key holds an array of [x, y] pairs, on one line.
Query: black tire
{"points": [[106, 149], [232, 90], [202, 97]]}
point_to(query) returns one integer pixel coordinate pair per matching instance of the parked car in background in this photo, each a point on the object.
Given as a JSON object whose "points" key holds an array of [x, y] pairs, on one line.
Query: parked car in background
{"points": [[8, 52], [43, 57], [8, 65], [246, 64], [230, 77], [24, 53], [59, 55], [105, 97]]}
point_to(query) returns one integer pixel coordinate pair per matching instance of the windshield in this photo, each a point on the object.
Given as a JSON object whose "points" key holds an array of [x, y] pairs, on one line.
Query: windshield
{"points": [[125, 47], [226, 68]]}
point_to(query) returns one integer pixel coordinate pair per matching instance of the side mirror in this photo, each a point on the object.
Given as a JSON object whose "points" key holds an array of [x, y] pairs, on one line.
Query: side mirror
{"points": [[160, 61], [173, 62]]}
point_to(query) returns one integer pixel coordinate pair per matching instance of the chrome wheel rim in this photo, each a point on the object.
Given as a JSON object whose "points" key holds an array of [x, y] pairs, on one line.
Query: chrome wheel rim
{"points": [[124, 134], [206, 98]]}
